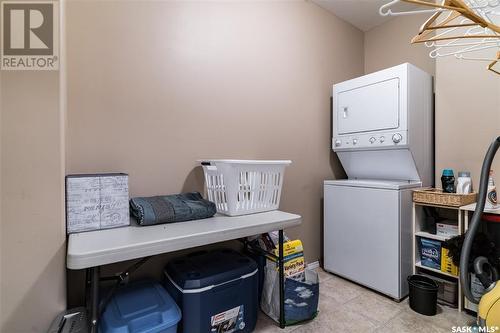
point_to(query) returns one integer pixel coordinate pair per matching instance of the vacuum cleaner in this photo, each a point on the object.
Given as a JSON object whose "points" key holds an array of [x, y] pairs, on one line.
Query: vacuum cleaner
{"points": [[488, 314]]}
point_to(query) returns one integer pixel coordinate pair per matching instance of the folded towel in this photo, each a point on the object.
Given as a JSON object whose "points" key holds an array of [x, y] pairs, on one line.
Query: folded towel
{"points": [[171, 208]]}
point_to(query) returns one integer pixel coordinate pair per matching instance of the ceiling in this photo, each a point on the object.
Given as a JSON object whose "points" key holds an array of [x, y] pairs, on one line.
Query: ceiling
{"points": [[363, 14]]}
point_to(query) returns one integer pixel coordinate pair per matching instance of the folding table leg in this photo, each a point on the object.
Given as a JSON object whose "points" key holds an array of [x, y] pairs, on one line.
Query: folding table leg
{"points": [[282, 278], [87, 290], [94, 299]]}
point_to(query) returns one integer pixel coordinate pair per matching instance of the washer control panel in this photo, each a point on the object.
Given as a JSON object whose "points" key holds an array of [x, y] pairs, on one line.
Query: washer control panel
{"points": [[370, 140]]}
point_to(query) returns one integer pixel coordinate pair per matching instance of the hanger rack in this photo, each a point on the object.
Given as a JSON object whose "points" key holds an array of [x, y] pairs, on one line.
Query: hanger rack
{"points": [[456, 27]]}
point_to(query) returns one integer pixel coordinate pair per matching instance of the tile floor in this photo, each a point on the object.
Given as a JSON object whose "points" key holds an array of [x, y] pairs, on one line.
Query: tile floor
{"points": [[347, 307]]}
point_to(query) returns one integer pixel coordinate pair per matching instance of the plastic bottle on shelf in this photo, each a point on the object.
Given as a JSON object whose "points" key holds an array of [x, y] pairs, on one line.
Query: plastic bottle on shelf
{"points": [[448, 181], [491, 195], [464, 183]]}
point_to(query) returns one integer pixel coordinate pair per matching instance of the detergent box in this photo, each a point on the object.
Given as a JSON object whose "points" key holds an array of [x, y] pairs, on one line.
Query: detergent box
{"points": [[447, 264], [290, 248], [430, 253], [293, 260]]}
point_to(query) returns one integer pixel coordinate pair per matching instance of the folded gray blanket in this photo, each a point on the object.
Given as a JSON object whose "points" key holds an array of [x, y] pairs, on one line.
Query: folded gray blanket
{"points": [[171, 208]]}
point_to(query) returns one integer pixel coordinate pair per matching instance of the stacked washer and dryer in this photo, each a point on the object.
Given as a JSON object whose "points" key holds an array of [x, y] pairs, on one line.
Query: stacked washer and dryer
{"points": [[383, 134]]}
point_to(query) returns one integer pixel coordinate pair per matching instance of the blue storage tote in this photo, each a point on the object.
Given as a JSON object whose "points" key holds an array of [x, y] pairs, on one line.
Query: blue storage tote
{"points": [[143, 307], [217, 291]]}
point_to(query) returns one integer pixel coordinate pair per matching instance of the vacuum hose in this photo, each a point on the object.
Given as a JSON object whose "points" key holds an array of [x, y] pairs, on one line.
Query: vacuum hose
{"points": [[476, 221], [484, 275]]}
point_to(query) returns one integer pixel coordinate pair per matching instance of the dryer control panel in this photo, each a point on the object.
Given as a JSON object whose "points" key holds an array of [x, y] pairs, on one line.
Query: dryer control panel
{"points": [[371, 140]]}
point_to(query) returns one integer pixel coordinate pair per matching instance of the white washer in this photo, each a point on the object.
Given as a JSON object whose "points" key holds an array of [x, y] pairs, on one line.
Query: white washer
{"points": [[368, 233], [383, 135]]}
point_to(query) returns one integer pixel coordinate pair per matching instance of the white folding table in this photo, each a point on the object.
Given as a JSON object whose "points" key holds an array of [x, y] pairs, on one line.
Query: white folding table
{"points": [[90, 250]]}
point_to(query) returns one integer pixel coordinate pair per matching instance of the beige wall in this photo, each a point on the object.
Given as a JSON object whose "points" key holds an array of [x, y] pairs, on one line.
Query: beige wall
{"points": [[467, 111], [388, 45], [467, 115], [32, 234], [32, 244], [154, 86], [1, 215]]}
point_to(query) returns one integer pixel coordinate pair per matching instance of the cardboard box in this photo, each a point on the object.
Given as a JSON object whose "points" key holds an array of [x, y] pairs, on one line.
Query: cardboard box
{"points": [[293, 260], [447, 229], [290, 247], [96, 201], [430, 253]]}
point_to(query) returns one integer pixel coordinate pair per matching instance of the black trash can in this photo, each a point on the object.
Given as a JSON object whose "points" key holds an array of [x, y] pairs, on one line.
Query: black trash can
{"points": [[423, 294]]}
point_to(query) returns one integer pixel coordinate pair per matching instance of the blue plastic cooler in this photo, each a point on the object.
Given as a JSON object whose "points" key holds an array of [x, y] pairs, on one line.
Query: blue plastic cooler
{"points": [[217, 291]]}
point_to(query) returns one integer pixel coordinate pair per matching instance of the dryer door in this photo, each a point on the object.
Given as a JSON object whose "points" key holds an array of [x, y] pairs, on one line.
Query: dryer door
{"points": [[372, 107]]}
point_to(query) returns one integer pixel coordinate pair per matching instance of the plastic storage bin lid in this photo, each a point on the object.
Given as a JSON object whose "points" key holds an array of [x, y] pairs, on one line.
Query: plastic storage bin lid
{"points": [[140, 307], [203, 269]]}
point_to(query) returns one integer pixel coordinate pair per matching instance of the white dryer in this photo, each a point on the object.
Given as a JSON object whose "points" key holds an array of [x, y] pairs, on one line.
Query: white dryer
{"points": [[383, 134]]}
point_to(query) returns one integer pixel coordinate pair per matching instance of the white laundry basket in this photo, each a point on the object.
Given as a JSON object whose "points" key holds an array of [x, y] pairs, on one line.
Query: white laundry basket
{"points": [[239, 187]]}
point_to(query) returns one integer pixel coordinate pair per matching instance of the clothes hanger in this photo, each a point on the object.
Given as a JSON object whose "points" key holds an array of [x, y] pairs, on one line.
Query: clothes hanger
{"points": [[430, 25], [428, 28], [465, 57], [465, 48], [456, 46], [482, 35], [459, 6], [447, 23], [444, 24], [491, 66], [465, 44], [471, 15], [496, 61], [385, 10], [474, 20]]}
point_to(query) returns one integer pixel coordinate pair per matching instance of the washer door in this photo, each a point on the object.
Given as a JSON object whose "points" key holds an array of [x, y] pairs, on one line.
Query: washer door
{"points": [[361, 236]]}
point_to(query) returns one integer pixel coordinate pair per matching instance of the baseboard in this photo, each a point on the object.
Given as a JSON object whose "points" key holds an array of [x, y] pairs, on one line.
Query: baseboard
{"points": [[313, 265]]}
